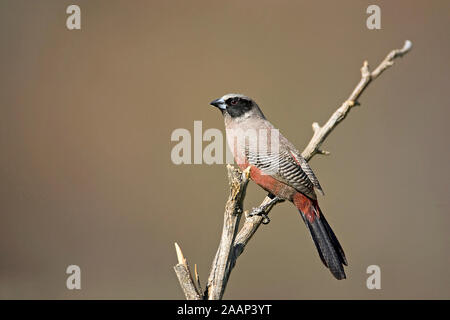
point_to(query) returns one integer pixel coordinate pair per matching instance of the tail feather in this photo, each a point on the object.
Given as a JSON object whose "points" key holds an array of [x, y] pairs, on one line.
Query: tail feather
{"points": [[328, 246], [337, 246]]}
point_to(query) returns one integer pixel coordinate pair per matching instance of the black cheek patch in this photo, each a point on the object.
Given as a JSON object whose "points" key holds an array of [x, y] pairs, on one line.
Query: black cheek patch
{"points": [[239, 109]]}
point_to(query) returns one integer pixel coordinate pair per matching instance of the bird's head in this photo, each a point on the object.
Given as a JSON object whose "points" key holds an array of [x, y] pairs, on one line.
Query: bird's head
{"points": [[236, 106]]}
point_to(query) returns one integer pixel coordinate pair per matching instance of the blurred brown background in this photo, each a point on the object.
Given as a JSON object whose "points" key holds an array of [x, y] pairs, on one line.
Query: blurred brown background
{"points": [[85, 124]]}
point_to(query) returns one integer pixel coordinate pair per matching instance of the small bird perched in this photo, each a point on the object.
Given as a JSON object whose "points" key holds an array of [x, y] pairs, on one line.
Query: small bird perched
{"points": [[285, 174]]}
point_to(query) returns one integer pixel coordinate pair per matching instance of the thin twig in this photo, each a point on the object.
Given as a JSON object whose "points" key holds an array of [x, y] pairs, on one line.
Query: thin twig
{"points": [[321, 133]]}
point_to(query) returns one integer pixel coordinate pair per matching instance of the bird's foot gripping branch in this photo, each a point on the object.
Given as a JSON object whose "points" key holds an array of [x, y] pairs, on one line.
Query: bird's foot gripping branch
{"points": [[233, 241], [263, 210]]}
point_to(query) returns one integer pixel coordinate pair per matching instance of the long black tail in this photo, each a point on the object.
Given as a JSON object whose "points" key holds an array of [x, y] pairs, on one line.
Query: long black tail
{"points": [[328, 246]]}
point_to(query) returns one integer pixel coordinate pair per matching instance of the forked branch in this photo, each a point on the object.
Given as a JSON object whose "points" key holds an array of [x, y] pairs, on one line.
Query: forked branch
{"points": [[232, 242]]}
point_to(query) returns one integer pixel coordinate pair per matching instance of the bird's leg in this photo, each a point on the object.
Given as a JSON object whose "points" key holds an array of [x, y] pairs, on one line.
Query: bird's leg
{"points": [[261, 210]]}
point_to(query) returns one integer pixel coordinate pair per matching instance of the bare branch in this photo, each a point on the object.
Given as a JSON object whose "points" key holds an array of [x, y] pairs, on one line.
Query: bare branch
{"points": [[252, 224], [221, 267], [232, 243], [184, 277], [321, 133]]}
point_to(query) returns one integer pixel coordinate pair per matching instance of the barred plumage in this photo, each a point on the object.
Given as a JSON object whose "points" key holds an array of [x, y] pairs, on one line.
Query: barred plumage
{"points": [[286, 166]]}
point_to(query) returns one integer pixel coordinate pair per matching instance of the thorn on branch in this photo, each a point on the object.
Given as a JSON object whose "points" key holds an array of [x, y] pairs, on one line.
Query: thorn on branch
{"points": [[324, 152], [197, 279], [315, 127], [365, 73], [195, 272]]}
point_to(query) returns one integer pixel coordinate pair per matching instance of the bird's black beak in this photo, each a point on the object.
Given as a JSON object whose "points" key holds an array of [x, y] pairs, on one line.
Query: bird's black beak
{"points": [[218, 103]]}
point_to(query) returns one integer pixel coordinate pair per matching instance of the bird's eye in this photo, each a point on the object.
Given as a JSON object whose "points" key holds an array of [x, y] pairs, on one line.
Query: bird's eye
{"points": [[234, 102]]}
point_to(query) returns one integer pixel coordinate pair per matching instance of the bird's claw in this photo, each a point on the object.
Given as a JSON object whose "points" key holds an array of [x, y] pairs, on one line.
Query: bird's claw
{"points": [[265, 219], [261, 210]]}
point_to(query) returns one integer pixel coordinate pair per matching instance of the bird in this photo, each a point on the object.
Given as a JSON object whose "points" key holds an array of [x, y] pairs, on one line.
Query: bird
{"points": [[282, 172]]}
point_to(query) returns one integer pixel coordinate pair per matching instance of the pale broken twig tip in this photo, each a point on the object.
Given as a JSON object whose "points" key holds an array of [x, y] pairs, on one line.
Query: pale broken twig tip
{"points": [[407, 46], [180, 257]]}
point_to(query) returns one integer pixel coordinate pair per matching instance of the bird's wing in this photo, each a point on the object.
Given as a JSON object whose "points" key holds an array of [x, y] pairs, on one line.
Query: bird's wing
{"points": [[307, 169], [286, 166]]}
